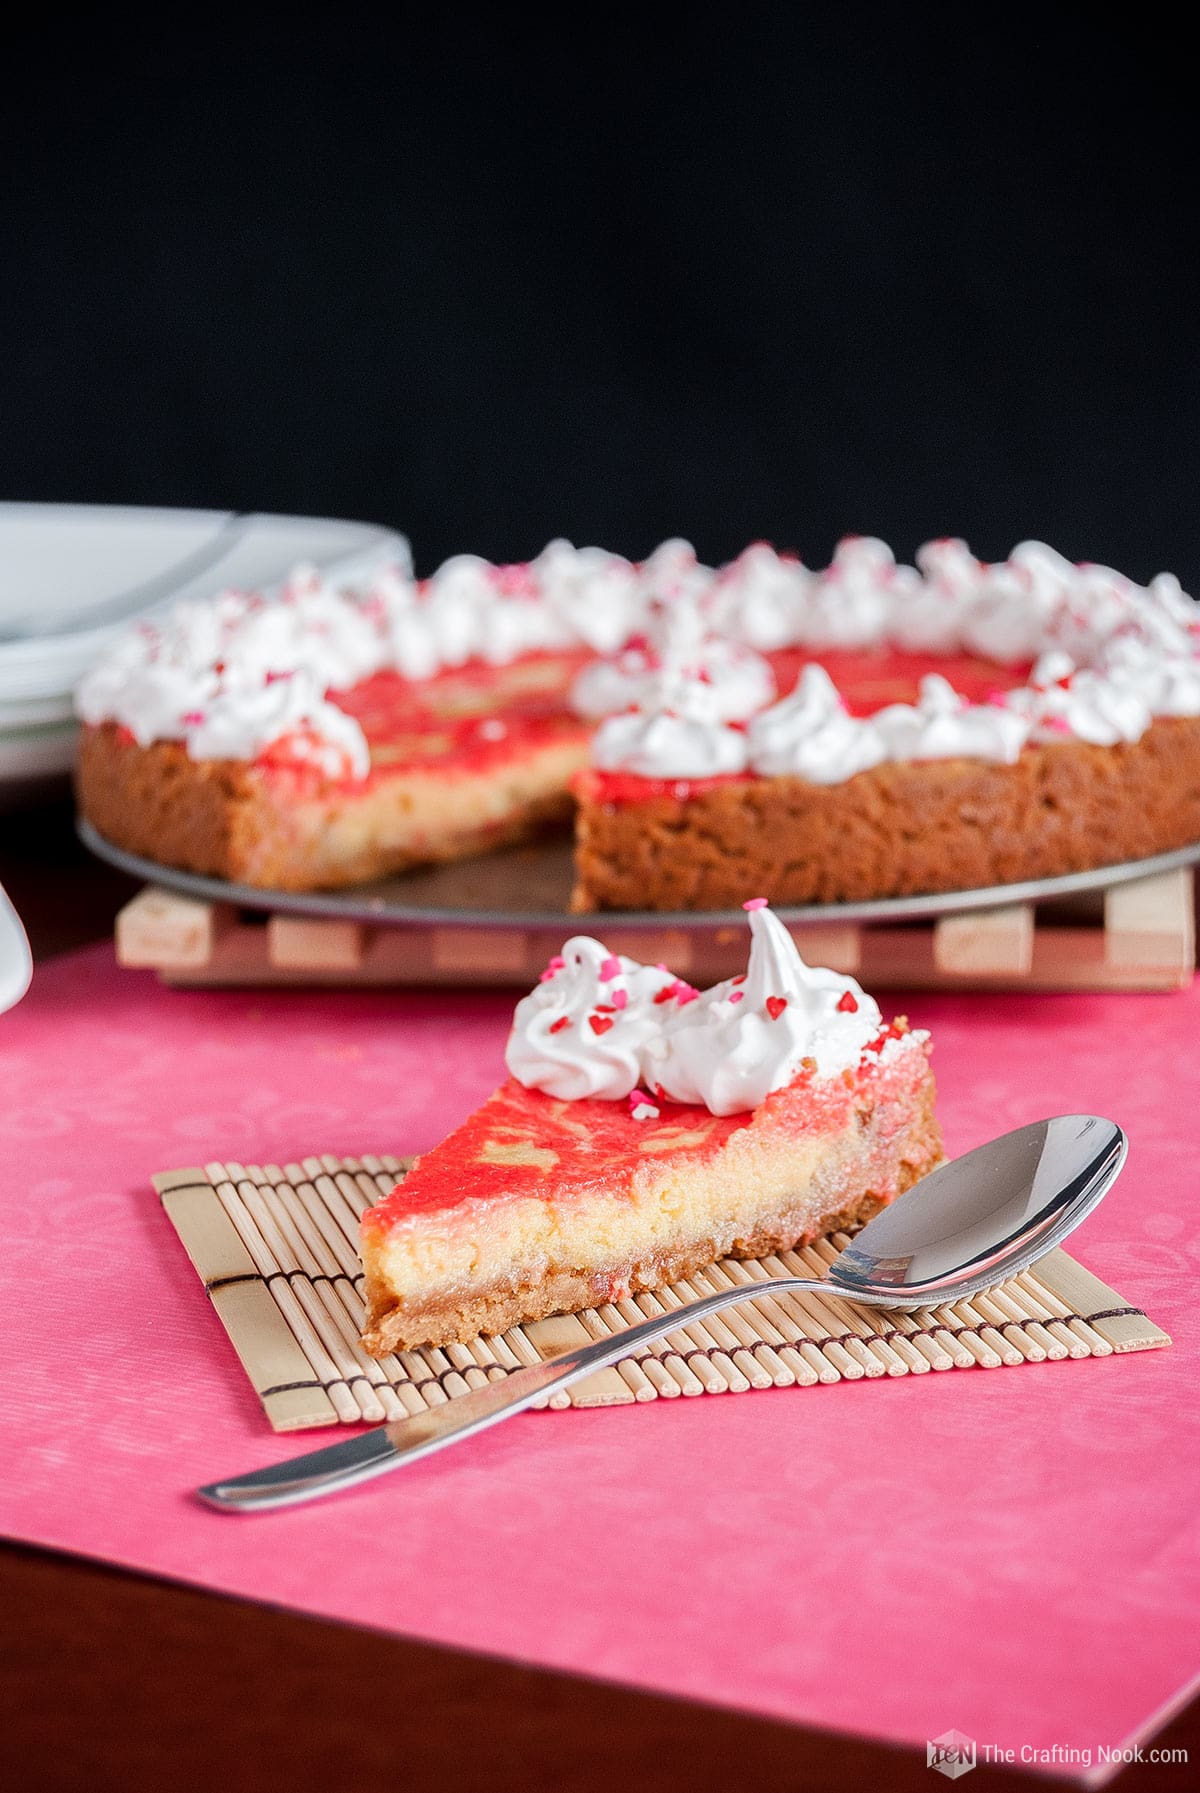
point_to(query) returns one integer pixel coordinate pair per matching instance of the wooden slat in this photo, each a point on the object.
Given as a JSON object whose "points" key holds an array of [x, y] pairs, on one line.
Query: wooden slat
{"points": [[985, 942], [1085, 1294], [161, 930], [1151, 923], [302, 943]]}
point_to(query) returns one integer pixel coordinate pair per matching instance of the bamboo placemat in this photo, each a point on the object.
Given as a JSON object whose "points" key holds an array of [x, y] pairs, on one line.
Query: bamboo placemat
{"points": [[276, 1249]]}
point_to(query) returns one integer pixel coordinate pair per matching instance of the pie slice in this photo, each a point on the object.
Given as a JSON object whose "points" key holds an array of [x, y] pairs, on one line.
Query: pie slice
{"points": [[547, 1201]]}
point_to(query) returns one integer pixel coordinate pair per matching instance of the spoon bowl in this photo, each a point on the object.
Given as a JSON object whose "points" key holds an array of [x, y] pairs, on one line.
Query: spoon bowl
{"points": [[983, 1217], [966, 1226]]}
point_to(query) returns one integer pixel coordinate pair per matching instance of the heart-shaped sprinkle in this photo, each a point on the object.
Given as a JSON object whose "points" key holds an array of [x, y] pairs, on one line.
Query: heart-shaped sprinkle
{"points": [[610, 968], [599, 1023], [620, 998], [755, 903], [847, 1004], [776, 1006], [557, 1026]]}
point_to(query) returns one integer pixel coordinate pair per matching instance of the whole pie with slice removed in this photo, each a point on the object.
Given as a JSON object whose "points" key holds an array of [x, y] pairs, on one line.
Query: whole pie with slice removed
{"points": [[647, 1130]]}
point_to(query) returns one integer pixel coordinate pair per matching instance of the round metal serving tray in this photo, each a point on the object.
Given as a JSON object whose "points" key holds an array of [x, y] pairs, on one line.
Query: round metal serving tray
{"points": [[529, 887]]}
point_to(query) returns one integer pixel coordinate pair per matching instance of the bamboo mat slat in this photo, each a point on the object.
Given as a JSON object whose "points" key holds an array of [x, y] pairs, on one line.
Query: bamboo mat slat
{"points": [[276, 1248]]}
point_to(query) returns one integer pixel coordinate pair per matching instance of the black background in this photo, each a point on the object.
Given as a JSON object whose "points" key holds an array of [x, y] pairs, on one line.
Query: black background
{"points": [[783, 272]]}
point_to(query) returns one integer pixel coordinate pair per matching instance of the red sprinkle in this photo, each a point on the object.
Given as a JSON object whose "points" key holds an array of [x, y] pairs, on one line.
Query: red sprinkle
{"points": [[599, 1023], [665, 994], [776, 1006], [848, 1005], [755, 903], [557, 1026]]}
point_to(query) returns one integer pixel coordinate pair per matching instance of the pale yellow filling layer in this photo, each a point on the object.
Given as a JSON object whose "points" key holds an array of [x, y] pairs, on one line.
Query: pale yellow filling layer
{"points": [[754, 1176], [422, 813]]}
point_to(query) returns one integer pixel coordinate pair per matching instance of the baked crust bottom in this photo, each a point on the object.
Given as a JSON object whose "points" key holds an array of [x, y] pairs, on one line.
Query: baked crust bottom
{"points": [[885, 1161], [230, 819], [897, 830]]}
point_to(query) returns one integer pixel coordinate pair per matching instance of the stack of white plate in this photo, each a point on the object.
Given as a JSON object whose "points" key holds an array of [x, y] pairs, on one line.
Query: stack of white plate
{"points": [[73, 575]]}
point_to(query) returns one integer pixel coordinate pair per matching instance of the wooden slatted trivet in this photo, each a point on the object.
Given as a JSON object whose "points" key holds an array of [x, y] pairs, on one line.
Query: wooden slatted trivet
{"points": [[1135, 936]]}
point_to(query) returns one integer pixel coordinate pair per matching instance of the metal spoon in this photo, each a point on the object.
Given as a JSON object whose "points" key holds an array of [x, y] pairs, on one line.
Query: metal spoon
{"points": [[966, 1226]]}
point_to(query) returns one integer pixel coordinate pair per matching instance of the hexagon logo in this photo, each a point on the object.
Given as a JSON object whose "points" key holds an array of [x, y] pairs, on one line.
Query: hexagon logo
{"points": [[951, 1754]]}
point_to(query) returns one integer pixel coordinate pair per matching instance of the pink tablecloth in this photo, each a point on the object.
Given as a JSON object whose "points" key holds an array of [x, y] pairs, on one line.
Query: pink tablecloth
{"points": [[1009, 1553]]}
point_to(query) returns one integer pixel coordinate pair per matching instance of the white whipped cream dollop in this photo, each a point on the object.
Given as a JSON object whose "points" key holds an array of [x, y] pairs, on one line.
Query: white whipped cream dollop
{"points": [[602, 1026], [747, 1037], [618, 683], [595, 595], [740, 681], [676, 732], [237, 675], [583, 1030], [942, 725], [240, 724], [1086, 706], [851, 603], [761, 598], [812, 735]]}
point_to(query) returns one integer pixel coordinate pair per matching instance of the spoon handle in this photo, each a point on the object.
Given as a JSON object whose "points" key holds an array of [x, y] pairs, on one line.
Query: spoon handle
{"points": [[404, 1441]]}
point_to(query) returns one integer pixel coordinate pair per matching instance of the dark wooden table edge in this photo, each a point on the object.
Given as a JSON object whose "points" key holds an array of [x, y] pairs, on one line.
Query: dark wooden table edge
{"points": [[168, 1679]]}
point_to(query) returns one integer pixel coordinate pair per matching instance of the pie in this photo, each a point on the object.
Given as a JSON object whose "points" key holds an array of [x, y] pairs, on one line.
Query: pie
{"points": [[868, 731], [798, 1111]]}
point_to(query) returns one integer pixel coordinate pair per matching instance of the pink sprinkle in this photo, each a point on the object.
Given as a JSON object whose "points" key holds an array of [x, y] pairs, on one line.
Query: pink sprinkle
{"points": [[756, 903], [611, 968], [684, 993], [556, 963], [193, 718], [620, 998], [638, 1095], [736, 995]]}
